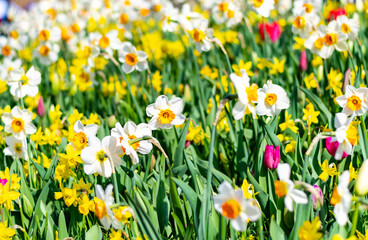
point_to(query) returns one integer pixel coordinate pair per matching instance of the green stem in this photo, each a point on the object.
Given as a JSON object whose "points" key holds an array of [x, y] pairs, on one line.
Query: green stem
{"points": [[207, 193], [116, 189], [355, 219]]}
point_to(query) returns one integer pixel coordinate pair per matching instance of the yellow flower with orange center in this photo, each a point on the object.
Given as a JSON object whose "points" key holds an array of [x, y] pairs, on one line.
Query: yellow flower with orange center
{"points": [[44, 35], [354, 103], [131, 59], [44, 50], [124, 18], [104, 42], [299, 22]]}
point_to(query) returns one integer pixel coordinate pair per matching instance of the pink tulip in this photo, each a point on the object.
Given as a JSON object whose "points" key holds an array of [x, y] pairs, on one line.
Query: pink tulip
{"points": [[271, 157], [41, 107], [3, 181], [303, 62], [319, 190], [332, 147]]}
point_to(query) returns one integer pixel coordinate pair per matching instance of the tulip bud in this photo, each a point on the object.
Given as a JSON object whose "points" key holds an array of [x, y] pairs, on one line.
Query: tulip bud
{"points": [[361, 184], [3, 181], [271, 157], [303, 62], [273, 31], [41, 107], [111, 121], [187, 93], [332, 147], [315, 202]]}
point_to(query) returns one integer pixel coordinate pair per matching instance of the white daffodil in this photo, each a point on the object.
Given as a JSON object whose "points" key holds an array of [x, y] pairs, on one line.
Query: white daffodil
{"points": [[349, 27], [228, 12], [103, 201], [47, 53], [17, 148], [101, 157], [271, 99], [283, 6], [342, 123], [187, 16], [247, 95], [354, 101], [333, 38], [79, 139], [165, 113], [286, 188], [232, 205], [52, 35], [341, 199], [109, 42], [262, 7], [24, 84], [170, 18], [307, 7], [132, 59], [129, 132], [315, 43], [7, 66], [201, 35], [19, 122]]}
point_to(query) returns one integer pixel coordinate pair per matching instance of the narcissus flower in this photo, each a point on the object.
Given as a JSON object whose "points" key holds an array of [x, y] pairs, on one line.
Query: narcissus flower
{"points": [[233, 206], [5, 232], [103, 201], [130, 132], [79, 139], [344, 146], [24, 84], [165, 114], [247, 95], [19, 122], [310, 230], [262, 7], [286, 188], [341, 199], [201, 35], [271, 99], [101, 157], [17, 148], [132, 59], [349, 27], [355, 101]]}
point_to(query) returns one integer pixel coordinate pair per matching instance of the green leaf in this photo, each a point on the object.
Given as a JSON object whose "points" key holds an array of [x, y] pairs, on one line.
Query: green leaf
{"points": [[275, 230], [179, 153], [63, 231], [94, 233]]}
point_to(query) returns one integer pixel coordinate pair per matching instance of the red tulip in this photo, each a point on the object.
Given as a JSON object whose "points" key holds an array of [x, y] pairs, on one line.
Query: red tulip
{"points": [[273, 31], [337, 12]]}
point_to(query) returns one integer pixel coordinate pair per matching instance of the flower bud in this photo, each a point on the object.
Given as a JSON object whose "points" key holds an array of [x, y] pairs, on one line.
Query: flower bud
{"points": [[271, 157], [41, 107], [315, 202], [361, 184], [187, 93], [273, 31], [111, 121], [332, 147], [303, 62], [3, 181], [320, 73]]}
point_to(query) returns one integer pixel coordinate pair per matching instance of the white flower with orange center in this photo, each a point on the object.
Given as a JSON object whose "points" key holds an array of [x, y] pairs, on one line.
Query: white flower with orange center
{"points": [[316, 44], [354, 101], [227, 11], [341, 199], [349, 27], [109, 42], [286, 188], [51, 35], [170, 18], [9, 65], [247, 95], [262, 7], [79, 139], [334, 38], [187, 17], [165, 114], [17, 148], [24, 84], [101, 156], [132, 59], [271, 99], [47, 53], [342, 123], [130, 132], [103, 201], [19, 122], [232, 205], [201, 35]]}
